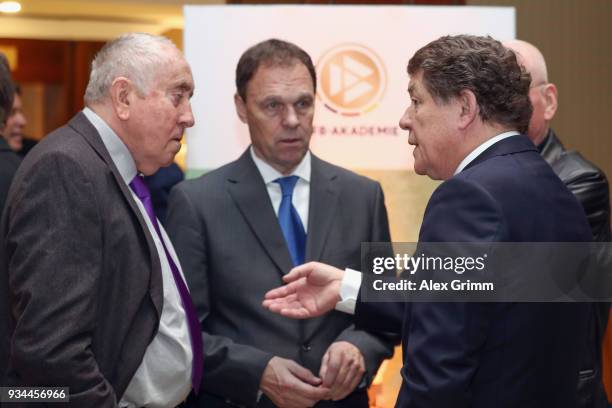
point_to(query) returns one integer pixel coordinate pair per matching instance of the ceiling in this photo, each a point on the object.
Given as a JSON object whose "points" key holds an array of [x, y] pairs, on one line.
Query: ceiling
{"points": [[93, 19]]}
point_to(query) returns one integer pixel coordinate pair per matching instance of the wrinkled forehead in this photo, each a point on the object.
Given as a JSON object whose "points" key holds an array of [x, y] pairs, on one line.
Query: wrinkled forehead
{"points": [[175, 74], [282, 80]]}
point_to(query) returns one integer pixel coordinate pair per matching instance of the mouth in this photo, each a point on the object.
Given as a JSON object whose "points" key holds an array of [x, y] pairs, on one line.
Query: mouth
{"points": [[177, 143], [291, 141]]}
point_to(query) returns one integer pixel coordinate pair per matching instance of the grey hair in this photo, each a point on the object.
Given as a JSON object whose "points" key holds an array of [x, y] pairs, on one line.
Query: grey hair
{"points": [[136, 56]]}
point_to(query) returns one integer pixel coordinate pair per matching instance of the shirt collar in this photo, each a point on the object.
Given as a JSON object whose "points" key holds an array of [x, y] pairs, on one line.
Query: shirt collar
{"points": [[119, 153], [269, 173], [480, 149]]}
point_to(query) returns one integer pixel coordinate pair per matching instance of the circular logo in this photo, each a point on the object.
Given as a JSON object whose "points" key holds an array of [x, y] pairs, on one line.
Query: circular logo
{"points": [[352, 79]]}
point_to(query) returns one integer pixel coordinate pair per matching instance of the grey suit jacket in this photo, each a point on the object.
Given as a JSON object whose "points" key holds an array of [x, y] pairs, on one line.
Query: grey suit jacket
{"points": [[232, 251], [80, 280]]}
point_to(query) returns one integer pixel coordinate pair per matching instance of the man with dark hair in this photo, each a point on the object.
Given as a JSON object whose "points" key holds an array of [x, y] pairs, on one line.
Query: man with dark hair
{"points": [[590, 186], [9, 162], [469, 103], [15, 125], [239, 228]]}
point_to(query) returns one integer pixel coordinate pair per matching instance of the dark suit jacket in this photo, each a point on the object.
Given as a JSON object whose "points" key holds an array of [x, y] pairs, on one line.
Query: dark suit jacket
{"points": [[80, 280], [232, 252], [9, 162], [590, 186], [493, 354]]}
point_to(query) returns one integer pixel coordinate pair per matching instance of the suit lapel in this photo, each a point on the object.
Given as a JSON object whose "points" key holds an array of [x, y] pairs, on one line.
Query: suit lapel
{"points": [[81, 124], [248, 190], [322, 208]]}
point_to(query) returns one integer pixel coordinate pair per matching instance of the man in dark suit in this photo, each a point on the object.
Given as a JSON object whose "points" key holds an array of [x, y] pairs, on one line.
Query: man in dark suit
{"points": [[590, 186], [9, 162], [240, 228], [91, 293], [469, 105]]}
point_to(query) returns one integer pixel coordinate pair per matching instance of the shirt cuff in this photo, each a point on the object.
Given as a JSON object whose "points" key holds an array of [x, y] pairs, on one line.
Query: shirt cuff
{"points": [[349, 289]]}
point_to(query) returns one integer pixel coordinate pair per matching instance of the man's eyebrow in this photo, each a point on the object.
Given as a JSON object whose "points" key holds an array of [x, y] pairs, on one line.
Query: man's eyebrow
{"points": [[411, 89], [184, 86]]}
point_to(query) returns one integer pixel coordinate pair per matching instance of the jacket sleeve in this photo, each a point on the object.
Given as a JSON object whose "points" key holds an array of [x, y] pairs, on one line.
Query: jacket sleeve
{"points": [[53, 241], [224, 360], [590, 186], [376, 345]]}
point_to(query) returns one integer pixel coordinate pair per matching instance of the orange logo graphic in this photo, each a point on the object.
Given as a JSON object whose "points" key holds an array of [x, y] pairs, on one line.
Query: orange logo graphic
{"points": [[352, 79]]}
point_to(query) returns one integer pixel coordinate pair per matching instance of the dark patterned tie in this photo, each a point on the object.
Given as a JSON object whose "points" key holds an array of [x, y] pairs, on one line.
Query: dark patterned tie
{"points": [[142, 192]]}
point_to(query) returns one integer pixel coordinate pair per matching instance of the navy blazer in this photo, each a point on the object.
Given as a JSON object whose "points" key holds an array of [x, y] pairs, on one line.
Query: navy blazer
{"points": [[492, 354]]}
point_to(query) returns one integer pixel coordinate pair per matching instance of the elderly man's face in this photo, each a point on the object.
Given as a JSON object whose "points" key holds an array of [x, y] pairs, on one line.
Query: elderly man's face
{"points": [[279, 111], [15, 124], [158, 120], [432, 132]]}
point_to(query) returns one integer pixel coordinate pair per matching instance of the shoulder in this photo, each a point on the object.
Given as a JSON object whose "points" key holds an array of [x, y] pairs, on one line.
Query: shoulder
{"points": [[461, 210], [208, 184], [572, 166], [344, 176], [64, 148]]}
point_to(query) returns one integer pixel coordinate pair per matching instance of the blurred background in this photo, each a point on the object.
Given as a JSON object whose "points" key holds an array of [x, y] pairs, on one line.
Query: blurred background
{"points": [[50, 45]]}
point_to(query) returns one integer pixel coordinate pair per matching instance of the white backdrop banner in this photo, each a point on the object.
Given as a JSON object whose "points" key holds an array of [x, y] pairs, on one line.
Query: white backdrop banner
{"points": [[361, 53]]}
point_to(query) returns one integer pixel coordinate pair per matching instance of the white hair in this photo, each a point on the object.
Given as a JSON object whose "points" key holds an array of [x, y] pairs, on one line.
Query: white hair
{"points": [[136, 56]]}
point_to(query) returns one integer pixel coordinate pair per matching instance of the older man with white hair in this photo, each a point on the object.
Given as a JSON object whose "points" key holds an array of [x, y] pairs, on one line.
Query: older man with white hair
{"points": [[92, 295]]}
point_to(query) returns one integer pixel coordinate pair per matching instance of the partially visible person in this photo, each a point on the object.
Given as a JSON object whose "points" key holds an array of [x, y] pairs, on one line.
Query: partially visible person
{"points": [[15, 125], [590, 186], [587, 182], [469, 106], [160, 183], [9, 162], [91, 292]]}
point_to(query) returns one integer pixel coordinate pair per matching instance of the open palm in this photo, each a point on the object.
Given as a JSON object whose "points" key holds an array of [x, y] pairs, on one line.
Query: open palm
{"points": [[312, 289]]}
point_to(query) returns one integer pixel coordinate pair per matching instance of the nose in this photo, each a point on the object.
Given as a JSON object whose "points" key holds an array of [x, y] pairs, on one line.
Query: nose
{"points": [[187, 119], [21, 119], [290, 118], [405, 122]]}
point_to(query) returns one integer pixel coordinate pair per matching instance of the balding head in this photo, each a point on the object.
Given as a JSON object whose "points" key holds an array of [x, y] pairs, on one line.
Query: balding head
{"points": [[531, 58], [542, 94]]}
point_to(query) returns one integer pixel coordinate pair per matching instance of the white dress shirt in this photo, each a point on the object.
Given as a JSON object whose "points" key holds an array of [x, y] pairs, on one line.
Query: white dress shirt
{"points": [[351, 282], [301, 192], [163, 378]]}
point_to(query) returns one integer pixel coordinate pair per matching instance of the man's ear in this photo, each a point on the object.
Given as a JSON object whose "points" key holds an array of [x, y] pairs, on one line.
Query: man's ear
{"points": [[122, 93], [551, 102], [468, 108], [241, 110]]}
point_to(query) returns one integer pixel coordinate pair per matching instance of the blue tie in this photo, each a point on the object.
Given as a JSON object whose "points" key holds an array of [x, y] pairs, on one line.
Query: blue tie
{"points": [[290, 222]]}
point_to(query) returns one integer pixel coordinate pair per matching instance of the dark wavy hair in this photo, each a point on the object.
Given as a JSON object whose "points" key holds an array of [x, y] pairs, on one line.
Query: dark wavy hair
{"points": [[483, 65], [272, 52], [7, 90]]}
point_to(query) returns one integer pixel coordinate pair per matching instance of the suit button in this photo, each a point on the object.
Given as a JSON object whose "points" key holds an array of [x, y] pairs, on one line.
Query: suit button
{"points": [[306, 347]]}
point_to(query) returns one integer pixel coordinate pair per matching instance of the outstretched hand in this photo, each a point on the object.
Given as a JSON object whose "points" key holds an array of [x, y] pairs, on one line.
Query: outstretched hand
{"points": [[311, 290]]}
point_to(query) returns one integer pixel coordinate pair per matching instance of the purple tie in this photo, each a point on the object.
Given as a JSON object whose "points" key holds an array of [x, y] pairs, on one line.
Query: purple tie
{"points": [[142, 191]]}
